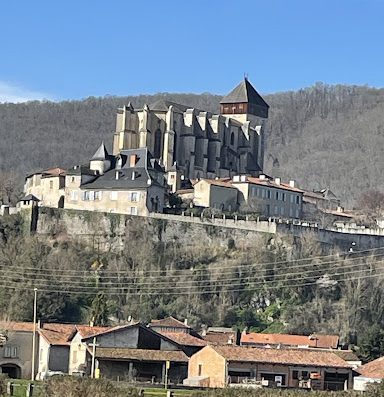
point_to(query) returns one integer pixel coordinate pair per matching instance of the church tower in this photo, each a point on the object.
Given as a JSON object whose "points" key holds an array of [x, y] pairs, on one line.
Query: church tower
{"points": [[244, 104]]}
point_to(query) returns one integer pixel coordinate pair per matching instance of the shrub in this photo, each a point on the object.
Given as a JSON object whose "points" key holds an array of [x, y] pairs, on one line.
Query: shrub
{"points": [[84, 387], [3, 384]]}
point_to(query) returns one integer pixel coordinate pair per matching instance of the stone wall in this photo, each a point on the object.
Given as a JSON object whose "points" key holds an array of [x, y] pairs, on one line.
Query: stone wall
{"points": [[110, 231]]}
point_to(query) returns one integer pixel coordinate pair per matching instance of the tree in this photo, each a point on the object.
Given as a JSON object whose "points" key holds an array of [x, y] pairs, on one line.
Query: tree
{"points": [[372, 201], [99, 310]]}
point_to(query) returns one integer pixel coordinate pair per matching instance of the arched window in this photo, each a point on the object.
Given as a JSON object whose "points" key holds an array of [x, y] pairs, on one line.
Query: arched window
{"points": [[232, 138], [157, 147]]}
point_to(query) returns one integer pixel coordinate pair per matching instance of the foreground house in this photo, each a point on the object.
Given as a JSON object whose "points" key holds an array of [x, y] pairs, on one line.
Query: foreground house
{"points": [[136, 353], [221, 366], [16, 352], [372, 372]]}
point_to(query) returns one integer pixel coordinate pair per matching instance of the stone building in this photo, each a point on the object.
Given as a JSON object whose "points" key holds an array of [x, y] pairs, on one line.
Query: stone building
{"points": [[192, 143]]}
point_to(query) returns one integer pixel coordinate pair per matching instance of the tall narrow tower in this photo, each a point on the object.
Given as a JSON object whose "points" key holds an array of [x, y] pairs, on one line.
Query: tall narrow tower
{"points": [[245, 105]]}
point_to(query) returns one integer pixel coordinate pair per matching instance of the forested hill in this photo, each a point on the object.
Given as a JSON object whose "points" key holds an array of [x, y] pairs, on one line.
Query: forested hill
{"points": [[320, 136]]}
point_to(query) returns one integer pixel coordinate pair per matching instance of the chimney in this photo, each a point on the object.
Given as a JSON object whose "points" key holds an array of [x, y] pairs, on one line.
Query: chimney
{"points": [[186, 322], [292, 183], [277, 181], [91, 323], [236, 178], [117, 174], [133, 175], [243, 178], [132, 160], [262, 177]]}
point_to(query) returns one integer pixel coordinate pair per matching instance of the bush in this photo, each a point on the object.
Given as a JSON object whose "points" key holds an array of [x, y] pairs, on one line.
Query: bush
{"points": [[84, 387], [3, 384]]}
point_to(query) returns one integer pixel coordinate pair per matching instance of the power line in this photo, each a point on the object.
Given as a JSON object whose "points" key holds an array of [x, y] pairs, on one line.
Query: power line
{"points": [[43, 285], [195, 283]]}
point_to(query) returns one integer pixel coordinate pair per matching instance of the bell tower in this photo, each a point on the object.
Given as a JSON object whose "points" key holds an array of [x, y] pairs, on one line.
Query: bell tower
{"points": [[244, 104]]}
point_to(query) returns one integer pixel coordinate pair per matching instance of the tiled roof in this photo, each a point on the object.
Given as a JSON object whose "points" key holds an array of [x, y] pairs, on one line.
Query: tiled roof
{"points": [[182, 338], [321, 341], [168, 322], [86, 331], [281, 356], [347, 355], [107, 330], [16, 326], [57, 334], [220, 338], [217, 182], [272, 183], [140, 354], [373, 369]]}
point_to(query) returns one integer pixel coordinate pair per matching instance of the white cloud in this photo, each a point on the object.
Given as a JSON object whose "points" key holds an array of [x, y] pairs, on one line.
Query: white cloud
{"points": [[15, 93]]}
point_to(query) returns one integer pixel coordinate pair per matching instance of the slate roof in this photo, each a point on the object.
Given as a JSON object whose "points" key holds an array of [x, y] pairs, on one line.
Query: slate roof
{"points": [[101, 153], [81, 170], [244, 93], [29, 197], [281, 356], [140, 354], [107, 330], [184, 339], [373, 369], [320, 341], [86, 331]]}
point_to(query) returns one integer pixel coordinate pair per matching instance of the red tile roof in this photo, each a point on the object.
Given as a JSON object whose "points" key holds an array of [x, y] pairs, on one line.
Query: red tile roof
{"points": [[86, 331], [302, 357], [57, 334], [16, 326], [140, 354], [373, 369], [182, 338], [218, 182], [168, 322], [322, 341]]}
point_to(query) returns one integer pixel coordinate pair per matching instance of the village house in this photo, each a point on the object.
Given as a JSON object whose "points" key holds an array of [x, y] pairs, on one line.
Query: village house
{"points": [[179, 332], [130, 183], [221, 336], [137, 353], [269, 197], [372, 372], [53, 350], [212, 193], [279, 340], [222, 366], [16, 352]]}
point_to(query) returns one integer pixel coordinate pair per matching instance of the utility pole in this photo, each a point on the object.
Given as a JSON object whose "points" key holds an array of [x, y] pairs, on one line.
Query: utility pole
{"points": [[34, 333], [93, 344]]}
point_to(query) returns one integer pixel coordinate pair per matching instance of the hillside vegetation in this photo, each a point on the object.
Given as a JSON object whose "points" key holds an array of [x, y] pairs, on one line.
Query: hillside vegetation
{"points": [[320, 136], [269, 285]]}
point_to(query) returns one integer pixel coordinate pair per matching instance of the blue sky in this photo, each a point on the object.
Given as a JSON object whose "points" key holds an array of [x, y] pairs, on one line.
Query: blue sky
{"points": [[75, 49]]}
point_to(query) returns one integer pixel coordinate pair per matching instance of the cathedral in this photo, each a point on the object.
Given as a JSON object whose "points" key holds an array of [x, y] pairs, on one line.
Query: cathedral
{"points": [[192, 143]]}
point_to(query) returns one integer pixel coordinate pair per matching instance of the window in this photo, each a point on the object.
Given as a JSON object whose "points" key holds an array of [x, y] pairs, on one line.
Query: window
{"points": [[72, 179], [276, 210], [51, 185], [305, 375], [200, 370], [98, 195], [89, 195], [232, 138], [269, 194], [283, 196], [113, 196], [277, 195], [75, 356], [11, 352], [134, 196], [133, 210], [74, 195], [297, 199], [295, 374]]}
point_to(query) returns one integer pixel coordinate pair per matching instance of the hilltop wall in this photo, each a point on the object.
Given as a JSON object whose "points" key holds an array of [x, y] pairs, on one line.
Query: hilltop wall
{"points": [[110, 231]]}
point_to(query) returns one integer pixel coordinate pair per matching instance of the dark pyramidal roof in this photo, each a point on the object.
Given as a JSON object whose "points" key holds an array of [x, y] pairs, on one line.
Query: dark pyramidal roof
{"points": [[244, 93]]}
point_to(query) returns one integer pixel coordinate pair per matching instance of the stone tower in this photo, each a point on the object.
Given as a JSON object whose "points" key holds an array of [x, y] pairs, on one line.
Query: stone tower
{"points": [[246, 105]]}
